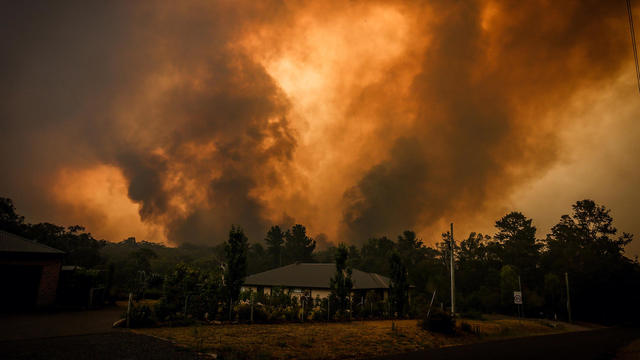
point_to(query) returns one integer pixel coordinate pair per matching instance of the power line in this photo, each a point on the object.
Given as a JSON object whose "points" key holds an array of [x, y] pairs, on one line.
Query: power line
{"points": [[633, 42]]}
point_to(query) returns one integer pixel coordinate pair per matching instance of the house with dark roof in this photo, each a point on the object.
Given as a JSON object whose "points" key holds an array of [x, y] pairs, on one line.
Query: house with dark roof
{"points": [[29, 273], [313, 279]]}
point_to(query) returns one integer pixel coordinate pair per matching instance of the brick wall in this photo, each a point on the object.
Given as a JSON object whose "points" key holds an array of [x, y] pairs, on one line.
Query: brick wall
{"points": [[48, 283]]}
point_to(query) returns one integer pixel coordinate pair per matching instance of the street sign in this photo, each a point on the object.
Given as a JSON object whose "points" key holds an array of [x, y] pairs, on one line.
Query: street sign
{"points": [[517, 297]]}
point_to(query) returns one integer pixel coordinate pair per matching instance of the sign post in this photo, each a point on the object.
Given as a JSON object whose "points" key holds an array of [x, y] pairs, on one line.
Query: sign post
{"points": [[517, 299]]}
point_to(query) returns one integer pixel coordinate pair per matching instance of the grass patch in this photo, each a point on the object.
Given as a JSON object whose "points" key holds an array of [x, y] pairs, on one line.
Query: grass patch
{"points": [[356, 339]]}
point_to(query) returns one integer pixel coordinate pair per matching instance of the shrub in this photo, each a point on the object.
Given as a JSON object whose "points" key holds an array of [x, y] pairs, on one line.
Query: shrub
{"points": [[162, 310], [199, 291], [261, 313], [317, 314], [140, 316], [243, 310], [292, 313], [278, 315], [439, 322]]}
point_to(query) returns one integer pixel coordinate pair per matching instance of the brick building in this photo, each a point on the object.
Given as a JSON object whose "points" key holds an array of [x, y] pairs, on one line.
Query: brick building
{"points": [[29, 273]]}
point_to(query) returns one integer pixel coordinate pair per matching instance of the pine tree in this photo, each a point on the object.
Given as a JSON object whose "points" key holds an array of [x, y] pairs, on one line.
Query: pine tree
{"points": [[299, 246], [275, 242], [236, 252], [399, 287], [341, 283]]}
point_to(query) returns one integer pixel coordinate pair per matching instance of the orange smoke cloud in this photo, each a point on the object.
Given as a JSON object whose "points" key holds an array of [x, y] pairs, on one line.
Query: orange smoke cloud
{"points": [[356, 119], [98, 196]]}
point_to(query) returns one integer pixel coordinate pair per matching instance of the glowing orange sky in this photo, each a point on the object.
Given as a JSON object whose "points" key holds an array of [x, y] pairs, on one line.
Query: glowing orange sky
{"points": [[312, 113]]}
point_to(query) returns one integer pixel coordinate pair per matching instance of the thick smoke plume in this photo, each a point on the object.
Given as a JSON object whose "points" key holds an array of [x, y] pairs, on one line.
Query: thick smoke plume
{"points": [[173, 120], [488, 79]]}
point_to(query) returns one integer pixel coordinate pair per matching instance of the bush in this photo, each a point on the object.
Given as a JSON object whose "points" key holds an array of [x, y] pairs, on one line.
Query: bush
{"points": [[317, 314], [243, 310], [439, 322], [278, 315], [140, 316], [162, 310], [261, 313], [292, 313]]}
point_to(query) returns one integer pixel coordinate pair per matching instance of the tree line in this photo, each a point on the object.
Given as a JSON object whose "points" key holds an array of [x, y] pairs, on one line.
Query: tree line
{"points": [[604, 284], [584, 248]]}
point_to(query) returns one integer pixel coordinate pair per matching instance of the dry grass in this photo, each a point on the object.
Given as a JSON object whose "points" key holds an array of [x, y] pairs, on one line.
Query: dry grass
{"points": [[339, 340]]}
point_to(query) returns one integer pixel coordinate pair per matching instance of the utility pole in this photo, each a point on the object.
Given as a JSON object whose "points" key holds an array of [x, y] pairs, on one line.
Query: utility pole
{"points": [[453, 275], [566, 280]]}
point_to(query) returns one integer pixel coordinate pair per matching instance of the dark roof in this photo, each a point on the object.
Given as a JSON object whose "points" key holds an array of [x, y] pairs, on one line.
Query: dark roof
{"points": [[311, 275], [12, 243]]}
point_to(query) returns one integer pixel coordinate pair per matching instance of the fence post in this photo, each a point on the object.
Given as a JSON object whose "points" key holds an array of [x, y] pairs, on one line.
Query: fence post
{"points": [[186, 304], [251, 292], [129, 310]]}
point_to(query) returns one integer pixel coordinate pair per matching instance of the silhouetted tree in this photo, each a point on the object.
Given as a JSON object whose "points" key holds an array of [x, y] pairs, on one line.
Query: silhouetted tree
{"points": [[520, 248], [258, 259], [299, 246], [10, 221], [341, 283], [585, 246], [477, 273], [375, 255], [409, 247], [275, 242], [236, 255], [142, 258], [399, 287], [508, 284]]}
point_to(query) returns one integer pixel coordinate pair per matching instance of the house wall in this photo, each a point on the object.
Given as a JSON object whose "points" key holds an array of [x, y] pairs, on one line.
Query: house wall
{"points": [[322, 293], [49, 276], [249, 288]]}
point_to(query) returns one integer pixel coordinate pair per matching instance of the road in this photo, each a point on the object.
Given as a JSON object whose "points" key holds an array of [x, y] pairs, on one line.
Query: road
{"points": [[84, 334], [585, 345], [42, 325], [120, 344]]}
